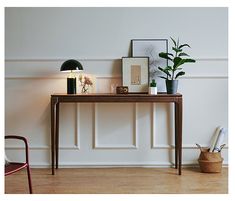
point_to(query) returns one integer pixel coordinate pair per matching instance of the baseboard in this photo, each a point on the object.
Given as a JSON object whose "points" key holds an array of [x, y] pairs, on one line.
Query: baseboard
{"points": [[163, 165]]}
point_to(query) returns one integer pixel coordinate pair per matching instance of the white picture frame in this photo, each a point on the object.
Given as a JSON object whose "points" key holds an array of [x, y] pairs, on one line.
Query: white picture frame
{"points": [[135, 74], [151, 48]]}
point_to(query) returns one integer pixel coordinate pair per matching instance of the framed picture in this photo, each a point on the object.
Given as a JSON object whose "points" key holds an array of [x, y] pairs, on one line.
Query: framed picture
{"points": [[151, 48], [135, 74]]}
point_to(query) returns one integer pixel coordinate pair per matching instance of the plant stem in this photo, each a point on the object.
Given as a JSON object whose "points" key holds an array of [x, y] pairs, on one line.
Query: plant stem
{"points": [[173, 71]]}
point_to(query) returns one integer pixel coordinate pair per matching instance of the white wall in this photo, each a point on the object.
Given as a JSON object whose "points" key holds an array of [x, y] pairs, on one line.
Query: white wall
{"points": [[38, 40]]}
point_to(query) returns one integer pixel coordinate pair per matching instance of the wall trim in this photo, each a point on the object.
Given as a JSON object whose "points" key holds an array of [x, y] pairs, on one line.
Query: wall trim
{"points": [[97, 59], [78, 126], [153, 133], [42, 147], [167, 146], [184, 146], [204, 77], [119, 77], [157, 146], [60, 76], [58, 59], [120, 165], [115, 146]]}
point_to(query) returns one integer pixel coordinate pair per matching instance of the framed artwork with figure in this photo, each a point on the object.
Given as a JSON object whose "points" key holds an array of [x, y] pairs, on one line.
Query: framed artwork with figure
{"points": [[135, 74], [151, 48]]}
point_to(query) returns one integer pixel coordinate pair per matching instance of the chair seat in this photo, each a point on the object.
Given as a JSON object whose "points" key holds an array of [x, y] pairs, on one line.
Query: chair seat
{"points": [[14, 167]]}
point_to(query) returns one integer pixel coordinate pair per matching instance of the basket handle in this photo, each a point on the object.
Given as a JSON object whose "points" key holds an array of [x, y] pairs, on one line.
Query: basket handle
{"points": [[199, 147], [221, 147]]}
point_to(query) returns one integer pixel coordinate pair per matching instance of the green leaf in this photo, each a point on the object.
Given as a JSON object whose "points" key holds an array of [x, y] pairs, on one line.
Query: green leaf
{"points": [[176, 61], [173, 41], [168, 68], [179, 61], [176, 49], [170, 54], [163, 77], [183, 54], [164, 55], [189, 61], [161, 69], [178, 69], [181, 73], [178, 41], [164, 71], [184, 46]]}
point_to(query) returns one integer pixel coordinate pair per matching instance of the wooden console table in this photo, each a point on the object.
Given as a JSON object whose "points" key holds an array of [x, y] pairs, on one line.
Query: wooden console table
{"points": [[56, 99]]}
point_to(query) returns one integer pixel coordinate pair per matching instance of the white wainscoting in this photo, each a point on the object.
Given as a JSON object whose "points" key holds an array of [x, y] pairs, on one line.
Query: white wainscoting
{"points": [[116, 114], [84, 140]]}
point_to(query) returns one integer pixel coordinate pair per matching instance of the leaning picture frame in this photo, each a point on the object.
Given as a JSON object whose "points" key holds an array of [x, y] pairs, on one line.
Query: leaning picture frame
{"points": [[151, 48], [135, 74]]}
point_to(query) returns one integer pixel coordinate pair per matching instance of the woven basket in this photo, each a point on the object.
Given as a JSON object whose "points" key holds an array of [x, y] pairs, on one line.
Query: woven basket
{"points": [[210, 156], [210, 162], [210, 167]]}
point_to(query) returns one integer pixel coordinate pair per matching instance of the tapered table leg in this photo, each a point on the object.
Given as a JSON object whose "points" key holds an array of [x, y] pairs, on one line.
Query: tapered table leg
{"points": [[52, 133], [176, 134], [180, 117], [53, 130], [57, 134]]}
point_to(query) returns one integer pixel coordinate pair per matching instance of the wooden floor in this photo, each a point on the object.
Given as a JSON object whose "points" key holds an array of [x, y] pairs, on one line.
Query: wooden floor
{"points": [[119, 181]]}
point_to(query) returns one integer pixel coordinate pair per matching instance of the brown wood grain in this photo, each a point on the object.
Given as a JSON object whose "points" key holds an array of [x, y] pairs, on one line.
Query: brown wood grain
{"points": [[119, 181]]}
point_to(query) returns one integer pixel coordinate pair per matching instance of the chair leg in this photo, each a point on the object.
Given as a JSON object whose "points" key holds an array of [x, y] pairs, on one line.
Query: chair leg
{"points": [[29, 180]]}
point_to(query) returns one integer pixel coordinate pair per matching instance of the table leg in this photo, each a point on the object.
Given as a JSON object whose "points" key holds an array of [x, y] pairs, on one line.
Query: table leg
{"points": [[57, 134], [180, 117], [53, 110], [176, 134]]}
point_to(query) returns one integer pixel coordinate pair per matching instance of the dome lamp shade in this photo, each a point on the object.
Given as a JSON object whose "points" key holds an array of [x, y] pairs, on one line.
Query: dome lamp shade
{"points": [[71, 66]]}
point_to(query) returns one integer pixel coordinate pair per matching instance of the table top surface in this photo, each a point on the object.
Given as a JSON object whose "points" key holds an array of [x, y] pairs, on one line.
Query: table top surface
{"points": [[162, 94]]}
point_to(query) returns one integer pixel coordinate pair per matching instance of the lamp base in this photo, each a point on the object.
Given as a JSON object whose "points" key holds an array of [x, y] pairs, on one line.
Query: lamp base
{"points": [[71, 86]]}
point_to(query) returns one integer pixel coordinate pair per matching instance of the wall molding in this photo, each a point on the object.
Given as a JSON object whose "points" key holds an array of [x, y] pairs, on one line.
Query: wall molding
{"points": [[58, 59], [153, 133], [119, 165], [156, 146], [97, 59], [167, 146], [78, 126], [42, 147], [184, 146], [26, 63], [96, 144], [76, 145], [203, 77], [117, 77]]}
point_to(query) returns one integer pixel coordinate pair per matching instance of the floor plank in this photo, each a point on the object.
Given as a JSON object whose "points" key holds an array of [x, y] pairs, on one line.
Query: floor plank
{"points": [[119, 181]]}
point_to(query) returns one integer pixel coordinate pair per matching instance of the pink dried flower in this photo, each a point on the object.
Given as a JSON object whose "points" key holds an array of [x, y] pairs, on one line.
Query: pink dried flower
{"points": [[85, 83]]}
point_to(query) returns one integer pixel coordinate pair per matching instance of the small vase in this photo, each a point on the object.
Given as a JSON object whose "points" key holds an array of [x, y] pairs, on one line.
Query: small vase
{"points": [[84, 90], [171, 86]]}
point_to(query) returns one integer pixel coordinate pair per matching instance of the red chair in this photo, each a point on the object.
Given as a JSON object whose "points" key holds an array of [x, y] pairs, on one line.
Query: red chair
{"points": [[12, 167]]}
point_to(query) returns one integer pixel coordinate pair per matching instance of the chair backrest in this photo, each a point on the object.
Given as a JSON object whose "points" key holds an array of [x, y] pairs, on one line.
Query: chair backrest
{"points": [[13, 167], [16, 137]]}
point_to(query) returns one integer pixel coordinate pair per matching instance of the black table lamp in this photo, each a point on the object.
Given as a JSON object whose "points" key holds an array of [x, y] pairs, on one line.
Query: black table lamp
{"points": [[71, 66]]}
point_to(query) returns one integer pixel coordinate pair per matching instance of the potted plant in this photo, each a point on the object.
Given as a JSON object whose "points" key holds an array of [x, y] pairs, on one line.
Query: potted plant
{"points": [[175, 70]]}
